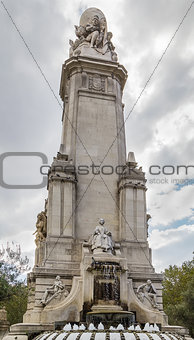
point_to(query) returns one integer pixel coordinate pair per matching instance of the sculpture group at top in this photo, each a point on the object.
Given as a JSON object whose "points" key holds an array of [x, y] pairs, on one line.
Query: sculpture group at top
{"points": [[92, 33]]}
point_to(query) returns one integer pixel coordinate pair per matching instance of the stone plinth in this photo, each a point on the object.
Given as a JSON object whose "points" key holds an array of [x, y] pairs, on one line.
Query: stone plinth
{"points": [[4, 324]]}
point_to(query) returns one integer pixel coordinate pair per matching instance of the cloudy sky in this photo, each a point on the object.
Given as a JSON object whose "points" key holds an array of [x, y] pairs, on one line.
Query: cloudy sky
{"points": [[159, 130]]}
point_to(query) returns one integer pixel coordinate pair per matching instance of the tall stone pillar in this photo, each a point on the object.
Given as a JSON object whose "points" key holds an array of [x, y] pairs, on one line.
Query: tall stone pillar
{"points": [[133, 217], [61, 200], [95, 118], [132, 198]]}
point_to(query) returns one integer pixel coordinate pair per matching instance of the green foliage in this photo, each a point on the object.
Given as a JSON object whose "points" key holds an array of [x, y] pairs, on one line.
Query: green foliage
{"points": [[17, 304], [13, 293], [178, 295]]}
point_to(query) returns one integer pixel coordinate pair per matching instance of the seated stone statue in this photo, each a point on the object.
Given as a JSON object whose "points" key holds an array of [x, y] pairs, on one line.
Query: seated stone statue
{"points": [[101, 240], [54, 291], [93, 31], [147, 291]]}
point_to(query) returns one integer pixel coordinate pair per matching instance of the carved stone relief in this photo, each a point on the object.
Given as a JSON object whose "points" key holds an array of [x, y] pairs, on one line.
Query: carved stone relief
{"points": [[96, 83]]}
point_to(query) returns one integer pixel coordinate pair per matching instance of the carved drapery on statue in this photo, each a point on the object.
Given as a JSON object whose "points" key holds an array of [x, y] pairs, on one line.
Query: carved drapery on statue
{"points": [[147, 294], [101, 239], [92, 32]]}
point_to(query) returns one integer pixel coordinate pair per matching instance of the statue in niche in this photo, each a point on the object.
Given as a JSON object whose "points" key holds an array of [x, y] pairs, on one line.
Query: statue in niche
{"points": [[101, 239], [147, 292], [41, 228], [54, 291]]}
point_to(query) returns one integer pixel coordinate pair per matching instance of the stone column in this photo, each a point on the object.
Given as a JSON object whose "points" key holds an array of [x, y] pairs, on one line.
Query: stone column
{"points": [[132, 200], [94, 119], [61, 199]]}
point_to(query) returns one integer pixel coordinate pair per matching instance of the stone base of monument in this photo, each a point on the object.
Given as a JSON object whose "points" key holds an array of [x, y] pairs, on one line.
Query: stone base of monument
{"points": [[24, 331], [103, 284], [176, 329]]}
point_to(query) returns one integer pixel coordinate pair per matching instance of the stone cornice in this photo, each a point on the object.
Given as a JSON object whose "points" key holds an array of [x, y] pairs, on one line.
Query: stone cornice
{"points": [[61, 178], [131, 184], [80, 64]]}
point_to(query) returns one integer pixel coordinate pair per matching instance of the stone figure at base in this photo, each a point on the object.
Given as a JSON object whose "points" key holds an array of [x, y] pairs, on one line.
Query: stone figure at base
{"points": [[147, 291], [55, 290], [101, 240]]}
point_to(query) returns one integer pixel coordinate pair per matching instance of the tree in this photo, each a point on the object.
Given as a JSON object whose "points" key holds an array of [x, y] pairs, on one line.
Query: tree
{"points": [[178, 295], [13, 292], [185, 310]]}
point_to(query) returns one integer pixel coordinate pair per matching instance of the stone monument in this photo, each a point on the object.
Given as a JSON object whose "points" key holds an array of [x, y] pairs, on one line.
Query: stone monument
{"points": [[83, 272]]}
